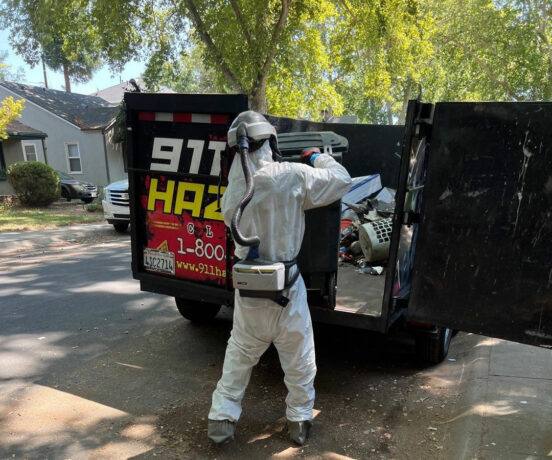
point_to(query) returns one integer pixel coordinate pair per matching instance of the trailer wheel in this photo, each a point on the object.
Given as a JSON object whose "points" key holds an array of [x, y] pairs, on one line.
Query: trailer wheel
{"points": [[196, 311], [432, 348]]}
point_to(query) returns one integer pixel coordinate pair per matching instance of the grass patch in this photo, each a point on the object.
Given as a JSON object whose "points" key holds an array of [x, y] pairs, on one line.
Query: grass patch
{"points": [[17, 218]]}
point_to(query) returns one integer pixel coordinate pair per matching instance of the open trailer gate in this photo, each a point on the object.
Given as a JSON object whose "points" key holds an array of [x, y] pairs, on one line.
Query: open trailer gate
{"points": [[483, 256]]}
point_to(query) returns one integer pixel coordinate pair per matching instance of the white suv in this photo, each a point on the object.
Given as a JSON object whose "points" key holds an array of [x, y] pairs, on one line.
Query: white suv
{"points": [[115, 205]]}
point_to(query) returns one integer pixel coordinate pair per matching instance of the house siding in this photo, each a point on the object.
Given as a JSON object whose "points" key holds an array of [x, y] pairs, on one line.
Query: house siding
{"points": [[13, 152], [115, 157], [61, 132]]}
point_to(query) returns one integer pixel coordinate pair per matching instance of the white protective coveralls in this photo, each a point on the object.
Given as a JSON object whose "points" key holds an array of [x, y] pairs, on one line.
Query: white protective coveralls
{"points": [[283, 191]]}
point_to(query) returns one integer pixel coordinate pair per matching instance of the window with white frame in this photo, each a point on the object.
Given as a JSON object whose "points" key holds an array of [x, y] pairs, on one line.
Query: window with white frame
{"points": [[29, 151], [73, 157]]}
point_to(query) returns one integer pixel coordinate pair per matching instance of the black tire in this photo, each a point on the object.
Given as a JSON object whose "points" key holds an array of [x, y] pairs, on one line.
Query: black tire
{"points": [[87, 200], [196, 311], [432, 348], [65, 194], [120, 227]]}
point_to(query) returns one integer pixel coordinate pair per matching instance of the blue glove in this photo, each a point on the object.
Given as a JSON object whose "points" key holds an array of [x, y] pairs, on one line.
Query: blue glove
{"points": [[310, 154], [313, 157]]}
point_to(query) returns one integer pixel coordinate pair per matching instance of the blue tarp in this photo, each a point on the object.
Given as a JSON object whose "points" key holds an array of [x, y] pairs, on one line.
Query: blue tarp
{"points": [[363, 187]]}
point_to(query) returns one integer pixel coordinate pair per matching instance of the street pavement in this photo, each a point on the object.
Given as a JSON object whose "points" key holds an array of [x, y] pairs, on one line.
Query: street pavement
{"points": [[90, 367]]}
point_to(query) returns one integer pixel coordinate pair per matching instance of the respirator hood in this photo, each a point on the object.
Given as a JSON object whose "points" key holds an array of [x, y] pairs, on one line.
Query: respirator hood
{"points": [[257, 126]]}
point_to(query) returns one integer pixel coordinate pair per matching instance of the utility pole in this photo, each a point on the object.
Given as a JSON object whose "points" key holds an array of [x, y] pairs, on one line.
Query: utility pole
{"points": [[44, 72]]}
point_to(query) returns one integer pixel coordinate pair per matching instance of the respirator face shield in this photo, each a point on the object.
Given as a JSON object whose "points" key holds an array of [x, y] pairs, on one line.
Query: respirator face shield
{"points": [[256, 126]]}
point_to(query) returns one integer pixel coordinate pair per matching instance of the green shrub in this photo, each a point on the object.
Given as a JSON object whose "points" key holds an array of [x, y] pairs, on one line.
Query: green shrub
{"points": [[35, 183], [96, 205]]}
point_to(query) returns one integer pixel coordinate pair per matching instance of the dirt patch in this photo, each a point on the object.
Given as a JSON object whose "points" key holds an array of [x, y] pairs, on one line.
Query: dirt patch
{"points": [[377, 407]]}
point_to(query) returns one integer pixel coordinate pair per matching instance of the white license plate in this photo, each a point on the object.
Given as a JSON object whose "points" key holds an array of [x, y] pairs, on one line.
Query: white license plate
{"points": [[159, 261], [93, 194]]}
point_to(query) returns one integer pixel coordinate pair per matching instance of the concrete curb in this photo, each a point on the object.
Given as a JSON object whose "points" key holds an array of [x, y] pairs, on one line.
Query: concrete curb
{"points": [[463, 436]]}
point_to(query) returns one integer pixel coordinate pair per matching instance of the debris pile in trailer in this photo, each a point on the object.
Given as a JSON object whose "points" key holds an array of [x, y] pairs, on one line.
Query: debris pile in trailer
{"points": [[366, 224]]}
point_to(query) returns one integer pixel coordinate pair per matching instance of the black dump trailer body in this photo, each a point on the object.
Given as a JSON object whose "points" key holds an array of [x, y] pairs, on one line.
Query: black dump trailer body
{"points": [[176, 148], [178, 163], [470, 246]]}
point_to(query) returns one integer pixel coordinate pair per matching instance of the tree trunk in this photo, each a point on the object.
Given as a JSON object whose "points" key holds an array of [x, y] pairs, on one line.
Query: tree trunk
{"points": [[406, 98], [44, 72], [258, 98], [389, 113], [67, 80]]}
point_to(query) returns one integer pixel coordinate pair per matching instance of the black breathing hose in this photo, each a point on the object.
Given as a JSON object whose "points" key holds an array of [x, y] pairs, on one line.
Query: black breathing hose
{"points": [[276, 154], [243, 144]]}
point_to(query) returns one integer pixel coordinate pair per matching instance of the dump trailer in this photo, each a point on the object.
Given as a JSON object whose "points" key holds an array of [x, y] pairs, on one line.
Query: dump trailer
{"points": [[469, 238]]}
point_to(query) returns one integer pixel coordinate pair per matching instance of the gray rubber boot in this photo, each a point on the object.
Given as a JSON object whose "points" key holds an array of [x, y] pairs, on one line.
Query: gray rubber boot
{"points": [[299, 431], [221, 431]]}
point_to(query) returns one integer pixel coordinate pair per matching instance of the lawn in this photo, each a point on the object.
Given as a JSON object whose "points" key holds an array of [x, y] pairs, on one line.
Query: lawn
{"points": [[58, 214]]}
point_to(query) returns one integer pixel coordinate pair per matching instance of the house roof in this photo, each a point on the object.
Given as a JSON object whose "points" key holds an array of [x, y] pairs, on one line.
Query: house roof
{"points": [[114, 94], [17, 130], [86, 112]]}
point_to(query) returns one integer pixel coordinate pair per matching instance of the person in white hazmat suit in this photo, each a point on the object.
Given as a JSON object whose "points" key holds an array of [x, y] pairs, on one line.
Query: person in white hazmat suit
{"points": [[283, 191]]}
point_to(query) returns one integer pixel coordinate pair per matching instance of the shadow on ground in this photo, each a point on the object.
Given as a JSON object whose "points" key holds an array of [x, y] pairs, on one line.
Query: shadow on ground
{"points": [[91, 366]]}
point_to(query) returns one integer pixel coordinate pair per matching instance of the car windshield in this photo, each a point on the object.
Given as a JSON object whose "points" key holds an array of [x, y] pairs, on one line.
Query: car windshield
{"points": [[65, 176]]}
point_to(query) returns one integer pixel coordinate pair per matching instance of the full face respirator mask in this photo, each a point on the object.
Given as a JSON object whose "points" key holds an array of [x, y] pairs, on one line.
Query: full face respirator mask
{"points": [[254, 277]]}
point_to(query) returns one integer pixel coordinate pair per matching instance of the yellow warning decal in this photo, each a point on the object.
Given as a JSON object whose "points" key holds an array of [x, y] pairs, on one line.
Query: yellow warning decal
{"points": [[164, 246]]}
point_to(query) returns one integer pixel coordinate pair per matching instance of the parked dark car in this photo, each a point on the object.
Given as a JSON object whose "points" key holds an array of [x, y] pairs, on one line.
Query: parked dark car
{"points": [[72, 188]]}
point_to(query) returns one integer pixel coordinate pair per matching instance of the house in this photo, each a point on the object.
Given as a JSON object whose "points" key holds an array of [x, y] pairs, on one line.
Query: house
{"points": [[114, 94], [70, 132], [23, 143]]}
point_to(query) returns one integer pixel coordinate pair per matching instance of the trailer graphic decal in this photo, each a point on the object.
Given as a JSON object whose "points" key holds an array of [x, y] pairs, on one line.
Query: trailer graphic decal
{"points": [[178, 167], [167, 153], [186, 234], [176, 197]]}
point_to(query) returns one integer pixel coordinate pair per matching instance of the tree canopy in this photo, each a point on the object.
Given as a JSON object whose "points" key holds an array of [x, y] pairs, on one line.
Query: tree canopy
{"points": [[304, 58], [10, 110], [62, 33]]}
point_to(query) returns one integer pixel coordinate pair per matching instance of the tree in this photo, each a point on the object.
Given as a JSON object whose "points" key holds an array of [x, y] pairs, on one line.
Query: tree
{"points": [[490, 50], [257, 47], [6, 72], [63, 34], [392, 50], [382, 49], [186, 74], [10, 110]]}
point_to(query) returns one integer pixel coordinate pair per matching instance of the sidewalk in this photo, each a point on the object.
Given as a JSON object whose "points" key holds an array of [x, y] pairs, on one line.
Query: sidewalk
{"points": [[503, 403], [24, 243]]}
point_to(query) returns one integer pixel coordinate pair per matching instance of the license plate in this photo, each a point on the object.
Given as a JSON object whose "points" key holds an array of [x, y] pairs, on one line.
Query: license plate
{"points": [[159, 261], [93, 194]]}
